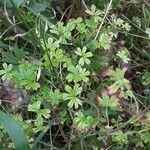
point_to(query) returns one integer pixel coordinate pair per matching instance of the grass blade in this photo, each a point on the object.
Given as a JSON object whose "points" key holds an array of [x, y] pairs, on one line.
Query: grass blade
{"points": [[15, 132]]}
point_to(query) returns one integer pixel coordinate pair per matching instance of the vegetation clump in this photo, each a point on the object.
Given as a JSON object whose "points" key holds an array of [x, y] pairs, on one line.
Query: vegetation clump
{"points": [[76, 81]]}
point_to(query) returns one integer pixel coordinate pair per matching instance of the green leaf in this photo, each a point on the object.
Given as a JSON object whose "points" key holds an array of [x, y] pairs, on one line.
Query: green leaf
{"points": [[38, 124], [78, 74], [64, 32], [50, 44], [111, 102], [15, 2], [72, 95], [105, 41], [9, 58], [146, 137], [119, 81], [120, 137], [55, 56], [123, 54], [25, 75], [54, 97], [39, 7], [40, 136], [84, 56], [14, 56], [35, 107], [15, 132], [82, 122], [146, 78], [6, 72]]}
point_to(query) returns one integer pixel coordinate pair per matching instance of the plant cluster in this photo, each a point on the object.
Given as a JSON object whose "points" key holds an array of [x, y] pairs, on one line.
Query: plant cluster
{"points": [[76, 92]]}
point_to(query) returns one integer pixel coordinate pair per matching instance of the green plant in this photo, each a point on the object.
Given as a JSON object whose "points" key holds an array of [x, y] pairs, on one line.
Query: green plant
{"points": [[84, 56], [72, 94], [120, 137], [109, 102], [76, 75], [119, 81], [145, 136], [35, 107], [123, 54], [146, 78], [15, 132], [82, 122], [6, 73], [25, 76]]}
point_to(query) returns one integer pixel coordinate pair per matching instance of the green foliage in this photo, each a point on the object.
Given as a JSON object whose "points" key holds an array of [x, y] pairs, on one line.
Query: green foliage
{"points": [[105, 41], [55, 56], [15, 132], [145, 136], [121, 24], [82, 122], [146, 78], [120, 137], [50, 44], [119, 81], [84, 57], [63, 32], [74, 77], [111, 102], [15, 56], [72, 96], [77, 73], [53, 97], [15, 2], [123, 54], [38, 7], [40, 115], [25, 76], [6, 72], [35, 107]]}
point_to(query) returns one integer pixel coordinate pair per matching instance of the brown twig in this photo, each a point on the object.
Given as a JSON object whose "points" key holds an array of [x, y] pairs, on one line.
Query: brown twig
{"points": [[139, 65], [71, 10], [109, 5], [148, 4]]}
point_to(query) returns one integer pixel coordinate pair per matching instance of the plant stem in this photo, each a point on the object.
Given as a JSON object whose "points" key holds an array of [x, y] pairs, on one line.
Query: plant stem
{"points": [[106, 112], [103, 20]]}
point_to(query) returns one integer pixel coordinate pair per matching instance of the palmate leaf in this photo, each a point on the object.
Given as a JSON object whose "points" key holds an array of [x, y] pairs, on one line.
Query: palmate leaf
{"points": [[72, 95], [9, 58], [78, 74], [25, 75], [110, 102], [15, 132], [146, 137], [84, 56], [15, 56], [82, 122], [120, 137], [105, 41]]}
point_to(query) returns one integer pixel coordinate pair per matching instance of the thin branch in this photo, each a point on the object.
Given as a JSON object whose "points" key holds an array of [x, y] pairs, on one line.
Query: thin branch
{"points": [[148, 4], [63, 15], [83, 2], [103, 19], [106, 113], [71, 10]]}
